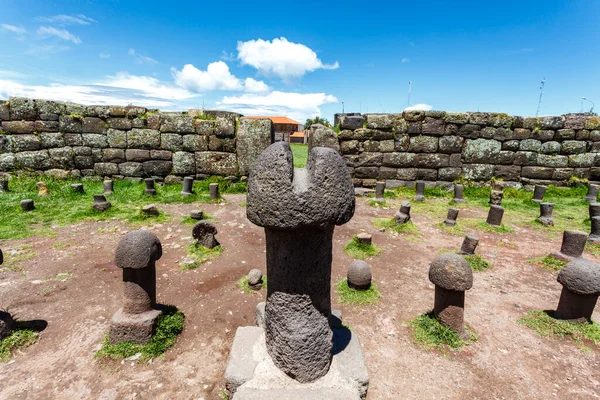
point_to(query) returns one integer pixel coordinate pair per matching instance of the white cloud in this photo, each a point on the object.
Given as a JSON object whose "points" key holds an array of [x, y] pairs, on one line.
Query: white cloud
{"points": [[46, 31], [62, 19], [254, 86], [19, 30], [417, 107], [140, 59], [405, 60], [216, 77], [280, 57], [299, 106], [104, 55]]}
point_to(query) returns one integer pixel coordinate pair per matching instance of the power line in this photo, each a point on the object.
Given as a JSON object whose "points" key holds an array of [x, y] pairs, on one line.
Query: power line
{"points": [[541, 94]]}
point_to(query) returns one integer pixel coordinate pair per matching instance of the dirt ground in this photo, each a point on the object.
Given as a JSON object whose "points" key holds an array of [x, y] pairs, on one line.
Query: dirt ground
{"points": [[509, 361]]}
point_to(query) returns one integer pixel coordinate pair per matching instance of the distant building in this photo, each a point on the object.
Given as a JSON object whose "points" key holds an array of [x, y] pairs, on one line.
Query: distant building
{"points": [[284, 127]]}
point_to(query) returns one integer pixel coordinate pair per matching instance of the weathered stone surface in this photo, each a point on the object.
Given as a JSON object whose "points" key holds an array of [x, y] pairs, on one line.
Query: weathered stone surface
{"points": [[184, 163], [379, 121], [537, 172], [69, 124], [18, 127], [113, 155], [478, 172], [131, 169], [359, 275], [321, 136], [451, 144], [255, 279], [7, 161], [253, 137], [423, 144], [22, 108], [582, 160], [398, 159], [451, 272], [581, 276], [83, 162], [364, 160], [575, 121], [352, 122], [552, 161], [511, 145], [48, 107], [507, 172], [557, 122], [564, 134], [106, 169], [61, 157], [177, 123], [137, 155], [431, 160], [414, 128], [530, 145], [171, 141], [195, 143], [33, 160], [427, 174], [52, 139], [157, 167], [525, 158], [550, 148], [4, 111], [505, 157], [433, 126], [204, 232], [143, 139], [225, 126], [93, 125], [161, 155], [25, 142], [481, 151], [449, 174], [573, 147], [216, 163], [73, 139], [94, 140]]}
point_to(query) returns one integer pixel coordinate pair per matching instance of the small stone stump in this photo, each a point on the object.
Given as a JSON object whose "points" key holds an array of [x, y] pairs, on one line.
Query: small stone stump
{"points": [[538, 193], [150, 210], [135, 322], [7, 324], [255, 279], [196, 214], [420, 191], [573, 243], [42, 188], [100, 203], [451, 217], [213, 190], [4, 183], [594, 236], [187, 189], [594, 210], [495, 215], [459, 190], [27, 205], [545, 217], [403, 215], [592, 193], [150, 190], [581, 286], [204, 232], [77, 188], [452, 276], [108, 187], [364, 238], [496, 195], [379, 191], [359, 275], [469, 245]]}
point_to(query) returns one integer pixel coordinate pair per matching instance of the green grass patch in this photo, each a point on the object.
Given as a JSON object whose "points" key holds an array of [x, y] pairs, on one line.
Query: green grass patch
{"points": [[300, 154], [13, 258], [20, 337], [199, 255], [430, 333], [168, 327], [350, 295], [377, 203], [593, 248], [477, 262], [544, 324], [243, 284], [389, 224], [502, 228], [457, 230], [548, 262], [361, 251]]}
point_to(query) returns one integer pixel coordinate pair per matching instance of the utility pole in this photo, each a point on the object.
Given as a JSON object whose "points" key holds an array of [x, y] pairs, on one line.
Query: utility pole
{"points": [[541, 94], [591, 109], [409, 89]]}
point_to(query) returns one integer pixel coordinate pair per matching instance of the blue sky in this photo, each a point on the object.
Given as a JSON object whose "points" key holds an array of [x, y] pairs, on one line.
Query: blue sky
{"points": [[305, 58]]}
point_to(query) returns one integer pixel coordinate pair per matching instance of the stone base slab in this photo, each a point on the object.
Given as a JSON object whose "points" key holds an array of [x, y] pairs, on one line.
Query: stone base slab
{"points": [[251, 374], [136, 328]]}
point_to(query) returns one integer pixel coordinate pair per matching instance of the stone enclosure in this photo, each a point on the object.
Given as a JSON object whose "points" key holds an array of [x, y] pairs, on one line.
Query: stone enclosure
{"points": [[65, 139]]}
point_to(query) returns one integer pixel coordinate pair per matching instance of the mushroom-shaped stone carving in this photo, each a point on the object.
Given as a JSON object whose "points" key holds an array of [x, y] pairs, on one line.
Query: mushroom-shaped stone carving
{"points": [[452, 276], [204, 232], [136, 254], [359, 275], [299, 209], [459, 189], [581, 286]]}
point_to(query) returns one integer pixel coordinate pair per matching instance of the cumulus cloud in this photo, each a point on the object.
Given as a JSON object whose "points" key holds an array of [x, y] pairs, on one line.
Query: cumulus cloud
{"points": [[254, 86], [19, 30], [62, 19], [47, 31], [299, 106], [216, 77], [140, 59], [280, 57], [419, 107]]}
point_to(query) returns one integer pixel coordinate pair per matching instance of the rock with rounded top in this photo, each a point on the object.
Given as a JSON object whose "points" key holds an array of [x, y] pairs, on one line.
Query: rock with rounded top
{"points": [[451, 272], [7, 323], [204, 232], [581, 277], [150, 210], [137, 250], [359, 275], [196, 214], [255, 279]]}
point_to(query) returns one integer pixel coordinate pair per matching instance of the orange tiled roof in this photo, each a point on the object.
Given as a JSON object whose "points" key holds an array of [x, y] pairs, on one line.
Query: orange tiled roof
{"points": [[277, 119]]}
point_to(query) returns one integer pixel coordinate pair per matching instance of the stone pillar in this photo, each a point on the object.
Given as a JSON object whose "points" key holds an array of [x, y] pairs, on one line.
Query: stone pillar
{"points": [[458, 193], [594, 236], [213, 190], [108, 187], [495, 215], [469, 245], [77, 188], [573, 243], [581, 287], [379, 191], [42, 188], [364, 238], [27, 205], [420, 191], [538, 193], [496, 195], [594, 210], [136, 254], [3, 183], [403, 215], [451, 218], [150, 187], [100, 203], [452, 276], [545, 217], [299, 209], [187, 189], [592, 193]]}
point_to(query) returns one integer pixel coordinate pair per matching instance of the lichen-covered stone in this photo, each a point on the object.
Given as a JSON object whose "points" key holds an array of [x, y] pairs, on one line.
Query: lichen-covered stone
{"points": [[387, 146], [106, 169], [530, 145], [582, 160], [413, 115], [481, 151], [184, 163], [253, 137], [216, 163], [511, 145], [93, 125], [84, 162], [557, 122], [143, 139], [431, 160], [161, 155], [451, 272], [433, 126], [157, 167], [321, 136], [22, 108], [7, 161], [225, 126], [449, 174], [451, 144], [73, 139], [171, 141], [195, 143], [478, 172], [119, 123], [61, 157], [113, 155], [423, 144], [18, 127], [505, 157], [379, 121], [116, 138], [414, 128], [131, 169], [94, 140], [479, 118], [352, 122], [52, 139], [537, 172], [398, 159], [457, 118], [50, 107], [177, 123], [364, 160], [25, 142], [573, 147], [553, 161], [564, 134], [500, 120], [33, 160], [526, 158], [469, 131], [592, 123], [507, 172], [550, 148], [205, 126], [137, 155], [69, 124]]}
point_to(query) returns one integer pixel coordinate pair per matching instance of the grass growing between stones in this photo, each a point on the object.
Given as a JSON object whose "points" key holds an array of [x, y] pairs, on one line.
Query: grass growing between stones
{"points": [[548, 262], [544, 324], [378, 203], [243, 284], [430, 333], [389, 224], [502, 228], [452, 230], [361, 251], [350, 295], [63, 207], [477, 262], [190, 221], [168, 327], [300, 154], [19, 337], [198, 255]]}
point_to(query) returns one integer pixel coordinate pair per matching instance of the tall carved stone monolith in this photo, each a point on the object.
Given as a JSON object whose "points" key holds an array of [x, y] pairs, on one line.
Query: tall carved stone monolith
{"points": [[594, 236], [420, 191], [497, 194], [150, 187], [187, 189], [136, 254], [213, 190], [538, 193], [469, 245], [108, 187], [545, 217], [459, 189], [380, 191]]}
